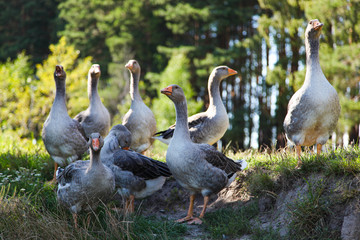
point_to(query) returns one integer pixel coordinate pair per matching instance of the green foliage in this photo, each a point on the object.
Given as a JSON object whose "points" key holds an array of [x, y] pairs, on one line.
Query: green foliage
{"points": [[15, 94], [26, 101], [179, 16], [177, 72], [28, 26]]}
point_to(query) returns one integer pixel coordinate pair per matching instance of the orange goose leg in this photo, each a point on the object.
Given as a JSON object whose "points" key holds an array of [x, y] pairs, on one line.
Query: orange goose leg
{"points": [[198, 220], [318, 149], [129, 205], [75, 220], [53, 181], [189, 215]]}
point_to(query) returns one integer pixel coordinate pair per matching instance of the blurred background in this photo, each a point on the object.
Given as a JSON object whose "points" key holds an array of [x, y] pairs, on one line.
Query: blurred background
{"points": [[180, 42]]}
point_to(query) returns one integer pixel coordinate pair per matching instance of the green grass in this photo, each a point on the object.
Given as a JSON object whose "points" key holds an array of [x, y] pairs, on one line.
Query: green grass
{"points": [[29, 210], [309, 213], [231, 222]]}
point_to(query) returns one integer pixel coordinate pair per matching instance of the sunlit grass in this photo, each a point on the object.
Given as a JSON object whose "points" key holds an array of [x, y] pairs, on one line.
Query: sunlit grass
{"points": [[29, 203]]}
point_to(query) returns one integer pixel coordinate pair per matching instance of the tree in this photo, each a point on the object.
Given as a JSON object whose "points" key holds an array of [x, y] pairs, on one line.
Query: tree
{"points": [[28, 25], [26, 100]]}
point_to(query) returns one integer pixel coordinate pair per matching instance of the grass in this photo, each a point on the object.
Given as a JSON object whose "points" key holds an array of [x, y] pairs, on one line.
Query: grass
{"points": [[29, 210], [231, 222], [309, 213]]}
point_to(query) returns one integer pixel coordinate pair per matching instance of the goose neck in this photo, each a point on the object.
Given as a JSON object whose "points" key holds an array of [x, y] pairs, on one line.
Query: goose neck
{"points": [[134, 87], [214, 92], [93, 89], [94, 159], [181, 127], [312, 54], [60, 101]]}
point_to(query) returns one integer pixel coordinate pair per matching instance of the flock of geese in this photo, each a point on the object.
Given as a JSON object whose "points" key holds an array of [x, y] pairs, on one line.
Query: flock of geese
{"points": [[117, 164]]}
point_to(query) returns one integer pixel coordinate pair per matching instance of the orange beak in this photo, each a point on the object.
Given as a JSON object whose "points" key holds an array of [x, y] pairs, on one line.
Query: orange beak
{"points": [[96, 144], [167, 91], [231, 72], [318, 25], [129, 66], [126, 148]]}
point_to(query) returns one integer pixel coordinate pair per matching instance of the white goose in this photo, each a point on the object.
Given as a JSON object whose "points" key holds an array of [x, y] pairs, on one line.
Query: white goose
{"points": [[200, 168], [63, 137], [139, 119], [314, 110], [96, 117], [209, 126]]}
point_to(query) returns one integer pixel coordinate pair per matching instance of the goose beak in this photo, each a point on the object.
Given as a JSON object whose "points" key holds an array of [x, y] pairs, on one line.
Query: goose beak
{"points": [[96, 69], [129, 66], [318, 25], [126, 148], [167, 91], [95, 144], [232, 72], [58, 70]]}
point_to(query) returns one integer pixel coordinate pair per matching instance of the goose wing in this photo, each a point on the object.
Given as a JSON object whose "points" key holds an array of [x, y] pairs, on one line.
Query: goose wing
{"points": [[194, 123], [140, 165], [219, 160]]}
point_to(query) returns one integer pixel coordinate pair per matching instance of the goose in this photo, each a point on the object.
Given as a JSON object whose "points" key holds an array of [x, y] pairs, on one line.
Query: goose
{"points": [[209, 126], [136, 176], [96, 117], [63, 137], [198, 167], [139, 119], [82, 185], [313, 111]]}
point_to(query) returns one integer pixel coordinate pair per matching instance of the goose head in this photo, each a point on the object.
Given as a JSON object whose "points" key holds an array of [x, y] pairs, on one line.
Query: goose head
{"points": [[133, 66], [122, 135], [59, 73], [222, 72], [313, 29], [96, 142], [95, 71], [174, 92]]}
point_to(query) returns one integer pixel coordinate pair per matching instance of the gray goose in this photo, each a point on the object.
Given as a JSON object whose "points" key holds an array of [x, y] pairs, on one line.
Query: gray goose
{"points": [[313, 111], [200, 168], [139, 119], [84, 184], [96, 117], [136, 176], [63, 137], [209, 126]]}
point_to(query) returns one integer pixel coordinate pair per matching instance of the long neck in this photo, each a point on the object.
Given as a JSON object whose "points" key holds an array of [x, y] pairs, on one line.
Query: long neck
{"points": [[134, 86], [60, 102], [92, 89], [94, 159], [181, 128], [312, 56], [214, 91]]}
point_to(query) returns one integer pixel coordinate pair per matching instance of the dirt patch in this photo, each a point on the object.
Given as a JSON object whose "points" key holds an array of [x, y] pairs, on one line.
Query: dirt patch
{"points": [[172, 203]]}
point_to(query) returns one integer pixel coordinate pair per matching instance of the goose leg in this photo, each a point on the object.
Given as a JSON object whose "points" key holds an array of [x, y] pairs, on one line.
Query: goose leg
{"points": [[129, 205], [298, 152], [198, 220], [189, 215], [54, 178], [75, 220], [318, 149]]}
